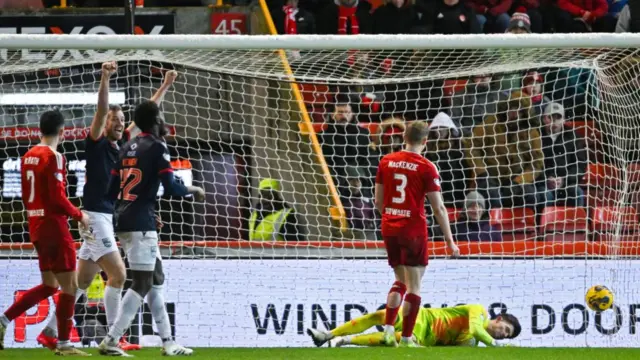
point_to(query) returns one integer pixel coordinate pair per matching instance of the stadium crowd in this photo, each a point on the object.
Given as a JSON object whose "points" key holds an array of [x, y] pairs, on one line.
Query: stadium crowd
{"points": [[512, 140], [449, 16]]}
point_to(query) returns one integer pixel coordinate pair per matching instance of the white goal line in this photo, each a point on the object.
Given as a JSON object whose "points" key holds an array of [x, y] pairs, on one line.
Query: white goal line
{"points": [[317, 42]]}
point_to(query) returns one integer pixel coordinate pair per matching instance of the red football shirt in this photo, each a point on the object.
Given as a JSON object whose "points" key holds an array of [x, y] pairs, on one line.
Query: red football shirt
{"points": [[406, 178], [44, 195]]}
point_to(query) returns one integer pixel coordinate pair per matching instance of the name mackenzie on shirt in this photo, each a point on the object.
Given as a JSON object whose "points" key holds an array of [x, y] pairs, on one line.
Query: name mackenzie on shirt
{"points": [[403, 165]]}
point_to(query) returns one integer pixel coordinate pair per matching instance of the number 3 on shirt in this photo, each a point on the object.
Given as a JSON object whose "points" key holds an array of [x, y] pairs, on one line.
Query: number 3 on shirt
{"points": [[129, 178], [400, 188]]}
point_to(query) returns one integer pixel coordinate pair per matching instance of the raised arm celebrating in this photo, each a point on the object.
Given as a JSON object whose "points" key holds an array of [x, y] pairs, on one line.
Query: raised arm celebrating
{"points": [[100, 118], [157, 98]]}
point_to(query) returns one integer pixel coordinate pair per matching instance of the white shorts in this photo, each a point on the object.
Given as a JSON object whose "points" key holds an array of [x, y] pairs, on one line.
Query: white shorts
{"points": [[100, 240], [141, 249]]}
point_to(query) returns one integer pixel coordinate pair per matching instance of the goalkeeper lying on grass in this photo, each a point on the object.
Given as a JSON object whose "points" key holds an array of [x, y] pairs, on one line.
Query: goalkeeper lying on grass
{"points": [[464, 325]]}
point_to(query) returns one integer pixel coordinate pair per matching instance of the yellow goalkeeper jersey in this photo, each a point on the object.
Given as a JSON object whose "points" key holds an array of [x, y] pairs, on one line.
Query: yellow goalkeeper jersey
{"points": [[464, 325]]}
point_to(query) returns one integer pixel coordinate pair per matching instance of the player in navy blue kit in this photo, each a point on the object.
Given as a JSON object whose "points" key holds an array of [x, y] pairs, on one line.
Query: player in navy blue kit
{"points": [[99, 249], [142, 165]]}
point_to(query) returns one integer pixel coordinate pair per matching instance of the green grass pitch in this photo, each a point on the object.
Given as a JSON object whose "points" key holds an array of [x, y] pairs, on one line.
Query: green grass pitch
{"points": [[365, 353]]}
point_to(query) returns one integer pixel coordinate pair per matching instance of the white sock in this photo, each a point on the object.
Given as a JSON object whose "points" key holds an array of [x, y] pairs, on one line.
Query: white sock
{"points": [[389, 329], [155, 298], [128, 309], [52, 326], [4, 320], [62, 343], [346, 340], [406, 339], [112, 299]]}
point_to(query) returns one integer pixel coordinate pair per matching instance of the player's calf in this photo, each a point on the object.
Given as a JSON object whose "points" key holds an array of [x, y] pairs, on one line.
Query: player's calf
{"points": [[155, 298], [394, 300], [113, 265], [131, 302]]}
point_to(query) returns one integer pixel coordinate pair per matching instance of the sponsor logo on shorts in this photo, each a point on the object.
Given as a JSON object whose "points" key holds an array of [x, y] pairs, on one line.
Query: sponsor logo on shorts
{"points": [[106, 242]]}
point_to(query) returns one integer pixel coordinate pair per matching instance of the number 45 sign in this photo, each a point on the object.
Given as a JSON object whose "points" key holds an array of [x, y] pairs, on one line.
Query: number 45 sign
{"points": [[228, 23]]}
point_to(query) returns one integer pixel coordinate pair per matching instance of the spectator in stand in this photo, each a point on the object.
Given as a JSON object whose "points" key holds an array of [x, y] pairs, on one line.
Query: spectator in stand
{"points": [[506, 154], [508, 82], [611, 18], [493, 15], [532, 86], [394, 17], [579, 16], [628, 18], [520, 23], [344, 17], [290, 19], [389, 136], [470, 107], [452, 17], [531, 8], [272, 219], [474, 224], [445, 151], [346, 144], [565, 160], [359, 209]]}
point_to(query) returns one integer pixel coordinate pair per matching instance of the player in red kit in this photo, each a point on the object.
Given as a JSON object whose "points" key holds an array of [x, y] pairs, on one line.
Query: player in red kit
{"points": [[403, 180], [45, 199]]}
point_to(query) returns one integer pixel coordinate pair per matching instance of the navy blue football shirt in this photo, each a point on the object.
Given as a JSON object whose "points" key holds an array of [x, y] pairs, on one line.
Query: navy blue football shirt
{"points": [[142, 164], [101, 156]]}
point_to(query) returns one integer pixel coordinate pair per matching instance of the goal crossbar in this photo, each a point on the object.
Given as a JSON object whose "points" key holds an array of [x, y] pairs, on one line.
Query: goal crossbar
{"points": [[317, 42]]}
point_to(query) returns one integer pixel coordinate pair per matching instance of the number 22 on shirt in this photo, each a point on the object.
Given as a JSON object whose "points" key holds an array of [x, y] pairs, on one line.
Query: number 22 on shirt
{"points": [[129, 178]]}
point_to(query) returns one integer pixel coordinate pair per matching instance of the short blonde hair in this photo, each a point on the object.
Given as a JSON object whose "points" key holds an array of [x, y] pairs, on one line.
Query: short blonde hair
{"points": [[416, 132]]}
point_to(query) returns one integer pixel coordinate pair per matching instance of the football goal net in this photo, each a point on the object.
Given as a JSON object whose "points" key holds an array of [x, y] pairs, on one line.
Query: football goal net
{"points": [[536, 139]]}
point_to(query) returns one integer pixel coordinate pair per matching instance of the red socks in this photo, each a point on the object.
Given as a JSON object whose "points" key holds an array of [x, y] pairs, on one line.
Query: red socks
{"points": [[64, 313], [409, 320], [29, 299], [392, 313]]}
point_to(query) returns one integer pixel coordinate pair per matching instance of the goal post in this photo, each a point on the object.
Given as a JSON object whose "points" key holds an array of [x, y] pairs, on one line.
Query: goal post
{"points": [[242, 110]]}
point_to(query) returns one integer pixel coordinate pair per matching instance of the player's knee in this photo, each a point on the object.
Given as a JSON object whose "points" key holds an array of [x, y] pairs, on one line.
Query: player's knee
{"points": [[413, 289], [50, 280], [70, 287], [142, 282], [117, 278], [158, 274], [84, 283]]}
